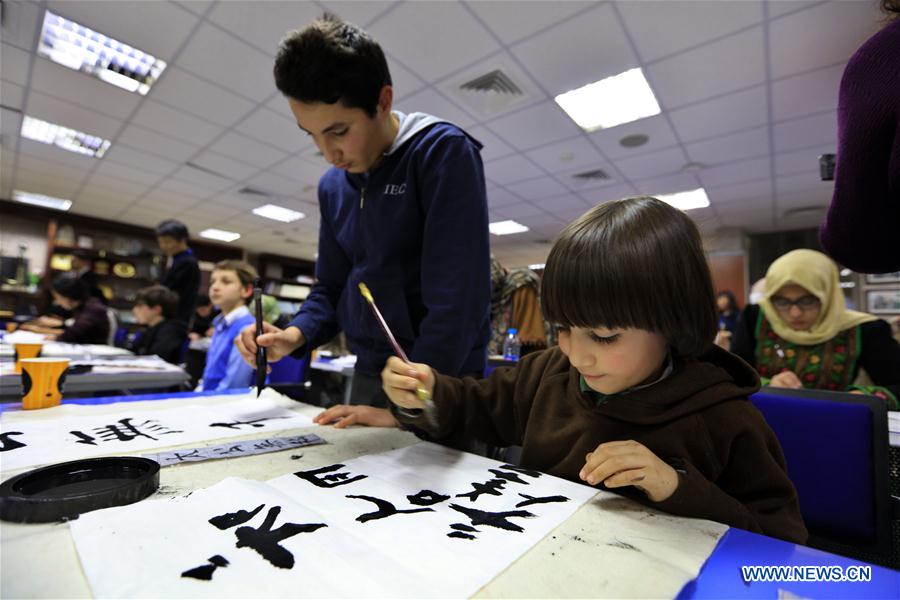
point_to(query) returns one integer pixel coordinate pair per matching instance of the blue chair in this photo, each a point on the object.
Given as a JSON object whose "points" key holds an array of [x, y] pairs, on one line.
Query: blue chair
{"points": [[836, 447]]}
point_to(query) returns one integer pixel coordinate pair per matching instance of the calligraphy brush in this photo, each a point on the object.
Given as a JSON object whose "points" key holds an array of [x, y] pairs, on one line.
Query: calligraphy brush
{"points": [[261, 359], [423, 394]]}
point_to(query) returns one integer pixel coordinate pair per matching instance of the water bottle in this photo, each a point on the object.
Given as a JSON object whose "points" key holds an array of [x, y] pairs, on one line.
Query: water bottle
{"points": [[511, 345]]}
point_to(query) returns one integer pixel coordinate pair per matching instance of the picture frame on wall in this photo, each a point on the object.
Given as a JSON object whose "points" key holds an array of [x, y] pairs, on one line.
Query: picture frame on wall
{"points": [[883, 301], [883, 277]]}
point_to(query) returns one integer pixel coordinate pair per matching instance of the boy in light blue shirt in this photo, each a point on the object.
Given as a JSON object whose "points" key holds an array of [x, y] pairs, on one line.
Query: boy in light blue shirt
{"points": [[230, 288]]}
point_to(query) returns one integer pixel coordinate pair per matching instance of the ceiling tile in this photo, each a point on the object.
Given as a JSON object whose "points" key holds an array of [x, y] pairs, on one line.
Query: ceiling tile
{"points": [[803, 182], [10, 126], [12, 95], [567, 201], [245, 149], [174, 123], [263, 23], [269, 127], [82, 89], [805, 132], [234, 65], [67, 114], [806, 94], [233, 169], [120, 171], [718, 68], [670, 184], [735, 146], [687, 23], [14, 64], [721, 115], [20, 23], [57, 155], [510, 169], [494, 147], [183, 91], [158, 28], [823, 35], [277, 184], [198, 7], [210, 179], [499, 197], [781, 7], [301, 170], [736, 172], [184, 189], [124, 189], [656, 128], [440, 27], [535, 126], [574, 154], [358, 12], [603, 50], [144, 139], [538, 188], [601, 195], [801, 161], [403, 81], [513, 20], [432, 102], [652, 164], [741, 195], [139, 160]]}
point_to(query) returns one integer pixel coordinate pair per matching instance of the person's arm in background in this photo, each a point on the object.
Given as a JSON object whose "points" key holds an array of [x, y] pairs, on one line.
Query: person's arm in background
{"points": [[456, 279], [860, 229]]}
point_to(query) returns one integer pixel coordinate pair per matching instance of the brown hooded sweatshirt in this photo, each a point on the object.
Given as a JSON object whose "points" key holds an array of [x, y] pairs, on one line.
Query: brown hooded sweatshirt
{"points": [[699, 420]]}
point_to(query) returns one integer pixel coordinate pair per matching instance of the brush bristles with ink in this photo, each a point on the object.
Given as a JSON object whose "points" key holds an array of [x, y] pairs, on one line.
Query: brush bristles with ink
{"points": [[261, 359], [421, 392]]}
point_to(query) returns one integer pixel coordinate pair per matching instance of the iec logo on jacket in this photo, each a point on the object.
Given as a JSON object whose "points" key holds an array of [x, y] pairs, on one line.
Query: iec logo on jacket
{"points": [[415, 231]]}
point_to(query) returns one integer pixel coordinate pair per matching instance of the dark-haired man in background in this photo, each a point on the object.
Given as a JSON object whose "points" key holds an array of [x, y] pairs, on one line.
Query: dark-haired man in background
{"points": [[182, 274], [403, 210]]}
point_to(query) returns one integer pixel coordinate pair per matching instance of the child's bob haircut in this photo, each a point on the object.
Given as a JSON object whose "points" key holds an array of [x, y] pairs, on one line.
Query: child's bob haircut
{"points": [[636, 263], [245, 273]]}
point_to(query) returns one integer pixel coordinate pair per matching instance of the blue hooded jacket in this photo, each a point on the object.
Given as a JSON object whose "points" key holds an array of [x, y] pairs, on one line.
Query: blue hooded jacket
{"points": [[415, 231]]}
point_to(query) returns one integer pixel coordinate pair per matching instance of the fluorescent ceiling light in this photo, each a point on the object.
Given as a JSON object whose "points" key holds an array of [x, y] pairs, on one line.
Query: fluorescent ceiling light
{"points": [[506, 227], [65, 138], [619, 99], [41, 200], [78, 47], [278, 213], [686, 200], [537, 267], [218, 234]]}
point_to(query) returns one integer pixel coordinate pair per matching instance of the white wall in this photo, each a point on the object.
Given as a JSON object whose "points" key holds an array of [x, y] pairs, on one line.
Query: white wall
{"points": [[33, 234]]}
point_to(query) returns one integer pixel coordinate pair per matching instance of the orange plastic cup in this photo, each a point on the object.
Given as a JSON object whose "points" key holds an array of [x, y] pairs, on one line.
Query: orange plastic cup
{"points": [[42, 381], [26, 350]]}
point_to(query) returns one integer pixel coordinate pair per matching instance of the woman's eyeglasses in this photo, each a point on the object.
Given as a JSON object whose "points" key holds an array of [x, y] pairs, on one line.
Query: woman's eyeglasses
{"points": [[805, 303]]}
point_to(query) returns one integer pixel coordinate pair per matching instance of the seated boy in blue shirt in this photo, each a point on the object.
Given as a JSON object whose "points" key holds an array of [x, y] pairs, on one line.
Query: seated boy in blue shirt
{"points": [[230, 288]]}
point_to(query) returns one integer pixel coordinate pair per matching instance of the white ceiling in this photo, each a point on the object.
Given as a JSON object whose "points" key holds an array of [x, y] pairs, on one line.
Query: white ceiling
{"points": [[748, 89]]}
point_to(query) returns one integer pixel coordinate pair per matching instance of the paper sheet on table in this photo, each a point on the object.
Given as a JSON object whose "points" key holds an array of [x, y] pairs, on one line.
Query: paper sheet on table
{"points": [[448, 542], [69, 432]]}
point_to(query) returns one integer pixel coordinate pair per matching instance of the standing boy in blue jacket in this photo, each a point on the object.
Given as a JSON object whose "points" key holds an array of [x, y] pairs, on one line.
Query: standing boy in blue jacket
{"points": [[403, 210], [230, 288]]}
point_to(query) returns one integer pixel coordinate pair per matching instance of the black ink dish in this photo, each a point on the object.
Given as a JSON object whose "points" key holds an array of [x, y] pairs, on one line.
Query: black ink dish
{"points": [[72, 488]]}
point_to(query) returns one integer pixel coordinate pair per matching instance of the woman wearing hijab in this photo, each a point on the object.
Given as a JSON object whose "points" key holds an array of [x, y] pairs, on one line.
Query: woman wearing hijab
{"points": [[801, 335]]}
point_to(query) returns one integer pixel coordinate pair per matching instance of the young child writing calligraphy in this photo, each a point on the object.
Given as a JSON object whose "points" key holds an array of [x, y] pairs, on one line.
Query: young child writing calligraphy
{"points": [[636, 397]]}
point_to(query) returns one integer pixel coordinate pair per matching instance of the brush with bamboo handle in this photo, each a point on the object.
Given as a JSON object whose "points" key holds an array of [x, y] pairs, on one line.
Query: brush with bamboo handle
{"points": [[423, 394]]}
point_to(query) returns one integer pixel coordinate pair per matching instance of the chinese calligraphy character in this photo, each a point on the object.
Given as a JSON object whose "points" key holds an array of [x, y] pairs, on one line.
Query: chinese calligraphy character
{"points": [[498, 519], [529, 500], [124, 431], [508, 476], [264, 540], [385, 509], [492, 487], [205, 572], [426, 498], [328, 481], [7, 443], [252, 423]]}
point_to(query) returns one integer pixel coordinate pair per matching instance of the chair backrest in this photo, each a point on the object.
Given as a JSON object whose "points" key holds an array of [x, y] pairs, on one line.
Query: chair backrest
{"points": [[836, 448], [288, 370]]}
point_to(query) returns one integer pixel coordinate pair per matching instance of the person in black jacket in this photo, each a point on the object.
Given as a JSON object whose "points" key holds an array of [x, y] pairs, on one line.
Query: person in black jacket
{"points": [[83, 267], [165, 335], [182, 274], [801, 335]]}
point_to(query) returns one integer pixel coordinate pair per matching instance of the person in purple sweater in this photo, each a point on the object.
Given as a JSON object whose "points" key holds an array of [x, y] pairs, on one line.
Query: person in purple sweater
{"points": [[860, 229], [89, 323]]}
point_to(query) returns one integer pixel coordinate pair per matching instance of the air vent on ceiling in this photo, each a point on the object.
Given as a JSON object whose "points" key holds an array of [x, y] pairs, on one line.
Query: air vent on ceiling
{"points": [[595, 174], [249, 191], [495, 81]]}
